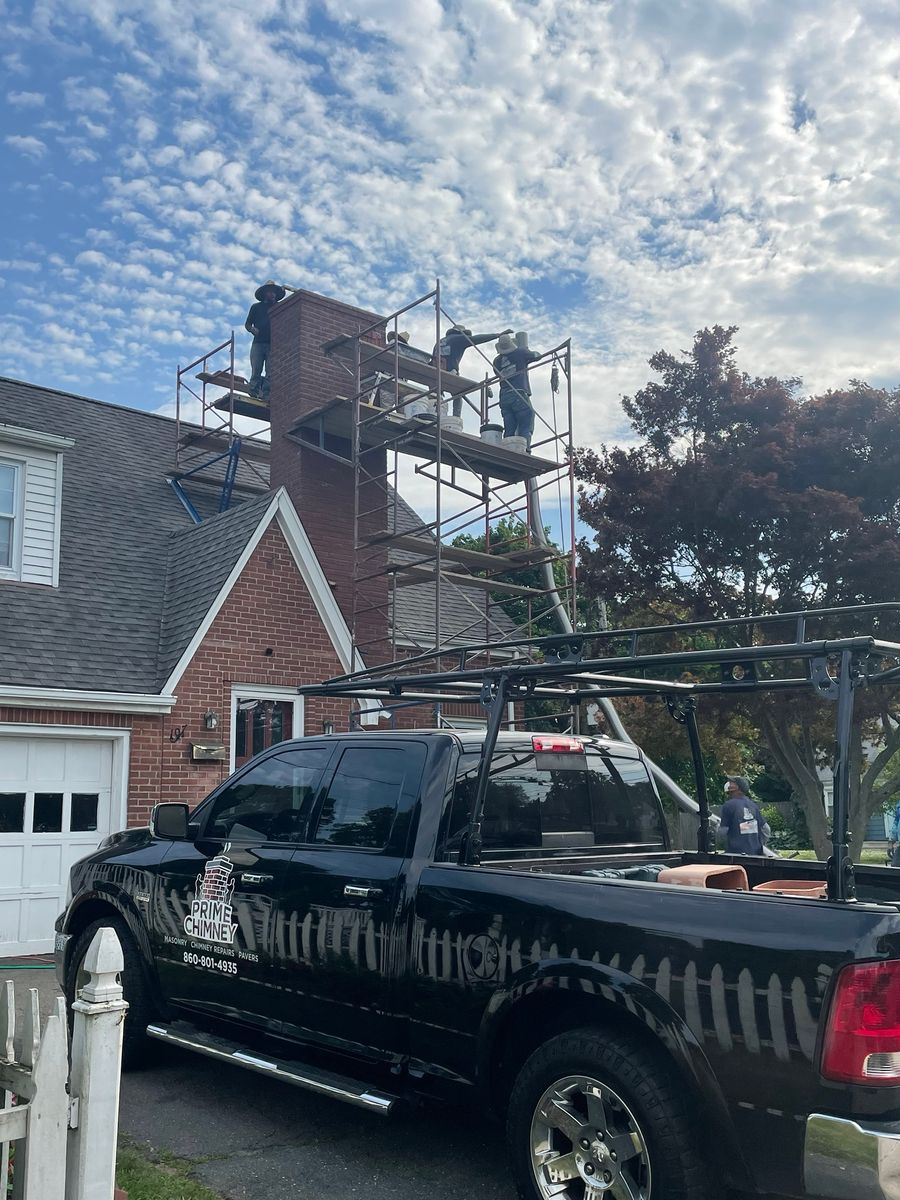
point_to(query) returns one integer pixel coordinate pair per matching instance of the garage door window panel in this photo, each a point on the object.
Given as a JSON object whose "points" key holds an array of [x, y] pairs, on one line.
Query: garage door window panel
{"points": [[12, 812], [271, 801], [84, 812], [48, 812]]}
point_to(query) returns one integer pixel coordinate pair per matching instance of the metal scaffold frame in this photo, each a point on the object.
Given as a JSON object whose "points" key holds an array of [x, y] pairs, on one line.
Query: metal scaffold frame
{"points": [[372, 429], [200, 446]]}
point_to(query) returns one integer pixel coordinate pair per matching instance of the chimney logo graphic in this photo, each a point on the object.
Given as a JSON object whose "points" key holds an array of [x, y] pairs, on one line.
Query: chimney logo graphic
{"points": [[211, 918]]}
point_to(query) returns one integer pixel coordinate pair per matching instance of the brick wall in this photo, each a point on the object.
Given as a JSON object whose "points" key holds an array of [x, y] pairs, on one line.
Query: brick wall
{"points": [[302, 379], [267, 632]]}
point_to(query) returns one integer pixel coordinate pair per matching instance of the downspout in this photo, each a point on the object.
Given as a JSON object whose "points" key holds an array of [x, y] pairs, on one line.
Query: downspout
{"points": [[561, 618]]}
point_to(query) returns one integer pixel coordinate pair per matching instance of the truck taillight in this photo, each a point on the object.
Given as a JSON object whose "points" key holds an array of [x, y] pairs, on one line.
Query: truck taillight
{"points": [[862, 1034], [556, 743]]}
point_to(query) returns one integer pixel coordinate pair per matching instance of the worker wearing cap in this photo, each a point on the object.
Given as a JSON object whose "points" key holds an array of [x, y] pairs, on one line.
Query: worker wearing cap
{"points": [[742, 821], [451, 348], [257, 323]]}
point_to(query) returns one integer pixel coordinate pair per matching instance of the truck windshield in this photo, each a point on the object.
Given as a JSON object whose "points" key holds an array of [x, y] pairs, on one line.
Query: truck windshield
{"points": [[603, 801]]}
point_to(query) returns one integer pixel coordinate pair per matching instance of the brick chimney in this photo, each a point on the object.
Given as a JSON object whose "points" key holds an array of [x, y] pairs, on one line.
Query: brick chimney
{"points": [[303, 379]]}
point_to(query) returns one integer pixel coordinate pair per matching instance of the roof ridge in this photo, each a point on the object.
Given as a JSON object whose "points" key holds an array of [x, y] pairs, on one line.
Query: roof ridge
{"points": [[126, 408]]}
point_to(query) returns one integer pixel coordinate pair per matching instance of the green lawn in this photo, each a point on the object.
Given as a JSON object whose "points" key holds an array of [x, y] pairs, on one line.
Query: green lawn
{"points": [[166, 1179], [873, 857]]}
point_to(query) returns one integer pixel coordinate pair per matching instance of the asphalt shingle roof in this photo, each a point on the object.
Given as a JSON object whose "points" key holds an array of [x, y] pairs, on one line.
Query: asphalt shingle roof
{"points": [[100, 629]]}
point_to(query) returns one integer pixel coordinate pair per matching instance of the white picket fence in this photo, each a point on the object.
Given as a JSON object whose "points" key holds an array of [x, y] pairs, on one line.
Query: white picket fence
{"points": [[64, 1124]]}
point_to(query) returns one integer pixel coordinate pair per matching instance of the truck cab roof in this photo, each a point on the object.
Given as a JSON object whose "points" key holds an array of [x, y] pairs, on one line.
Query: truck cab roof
{"points": [[473, 739]]}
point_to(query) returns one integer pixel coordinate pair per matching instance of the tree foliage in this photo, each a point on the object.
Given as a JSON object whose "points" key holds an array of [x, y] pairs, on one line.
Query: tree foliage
{"points": [[530, 616], [743, 496]]}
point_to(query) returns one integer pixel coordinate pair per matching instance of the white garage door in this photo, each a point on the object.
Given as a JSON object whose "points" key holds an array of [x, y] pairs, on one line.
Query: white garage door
{"points": [[55, 807]]}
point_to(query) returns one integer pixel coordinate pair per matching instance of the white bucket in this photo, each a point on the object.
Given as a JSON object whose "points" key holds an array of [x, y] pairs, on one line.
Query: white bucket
{"points": [[492, 434], [451, 424], [416, 408], [519, 444]]}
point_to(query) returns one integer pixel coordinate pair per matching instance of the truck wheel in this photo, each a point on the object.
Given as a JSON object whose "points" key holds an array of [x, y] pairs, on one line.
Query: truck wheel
{"points": [[596, 1117], [140, 1013]]}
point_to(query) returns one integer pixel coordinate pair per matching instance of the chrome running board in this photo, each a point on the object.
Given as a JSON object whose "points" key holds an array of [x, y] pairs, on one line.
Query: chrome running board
{"points": [[313, 1079]]}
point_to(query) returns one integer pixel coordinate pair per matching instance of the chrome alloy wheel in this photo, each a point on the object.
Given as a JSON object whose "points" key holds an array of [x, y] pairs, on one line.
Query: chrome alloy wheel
{"points": [[587, 1145]]}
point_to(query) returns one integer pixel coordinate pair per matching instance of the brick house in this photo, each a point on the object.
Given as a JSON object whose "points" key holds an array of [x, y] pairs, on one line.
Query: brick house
{"points": [[143, 656]]}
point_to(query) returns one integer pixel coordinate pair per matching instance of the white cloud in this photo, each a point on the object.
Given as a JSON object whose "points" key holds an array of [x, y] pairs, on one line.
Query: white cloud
{"points": [[91, 258], [85, 97], [92, 128], [145, 128], [26, 99], [193, 131], [31, 147]]}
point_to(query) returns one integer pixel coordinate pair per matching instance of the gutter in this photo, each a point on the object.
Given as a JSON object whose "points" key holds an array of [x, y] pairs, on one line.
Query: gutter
{"points": [[83, 700]]}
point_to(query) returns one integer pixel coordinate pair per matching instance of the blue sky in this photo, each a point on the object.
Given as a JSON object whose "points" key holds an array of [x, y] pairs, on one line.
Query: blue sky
{"points": [[622, 172]]}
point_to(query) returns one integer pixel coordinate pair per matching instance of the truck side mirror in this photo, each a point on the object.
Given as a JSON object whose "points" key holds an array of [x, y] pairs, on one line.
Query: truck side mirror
{"points": [[170, 821]]}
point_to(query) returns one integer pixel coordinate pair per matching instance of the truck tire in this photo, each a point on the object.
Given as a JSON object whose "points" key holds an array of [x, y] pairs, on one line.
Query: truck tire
{"points": [[135, 1043], [593, 1115]]}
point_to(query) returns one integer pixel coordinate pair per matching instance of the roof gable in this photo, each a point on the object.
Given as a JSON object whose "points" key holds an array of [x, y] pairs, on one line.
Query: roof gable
{"points": [[188, 622], [200, 561]]}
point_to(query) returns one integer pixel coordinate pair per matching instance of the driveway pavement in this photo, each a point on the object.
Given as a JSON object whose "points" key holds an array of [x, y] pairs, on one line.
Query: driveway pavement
{"points": [[255, 1139]]}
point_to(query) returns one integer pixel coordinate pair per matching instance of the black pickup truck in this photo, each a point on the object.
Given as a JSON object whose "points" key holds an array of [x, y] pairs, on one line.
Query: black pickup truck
{"points": [[497, 917]]}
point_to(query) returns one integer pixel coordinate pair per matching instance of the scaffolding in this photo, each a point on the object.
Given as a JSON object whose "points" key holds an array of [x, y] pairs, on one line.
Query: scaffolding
{"points": [[212, 435], [395, 412]]}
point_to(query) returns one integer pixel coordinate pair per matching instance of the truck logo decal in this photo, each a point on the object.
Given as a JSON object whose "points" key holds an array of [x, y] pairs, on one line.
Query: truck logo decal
{"points": [[482, 957], [211, 915]]}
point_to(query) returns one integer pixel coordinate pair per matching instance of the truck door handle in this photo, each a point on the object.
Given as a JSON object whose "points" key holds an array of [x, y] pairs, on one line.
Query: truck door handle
{"points": [[249, 878], [363, 893]]}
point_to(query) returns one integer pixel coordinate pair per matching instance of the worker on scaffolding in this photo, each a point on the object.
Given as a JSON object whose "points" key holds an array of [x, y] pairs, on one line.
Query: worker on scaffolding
{"points": [[257, 323], [511, 367], [451, 348]]}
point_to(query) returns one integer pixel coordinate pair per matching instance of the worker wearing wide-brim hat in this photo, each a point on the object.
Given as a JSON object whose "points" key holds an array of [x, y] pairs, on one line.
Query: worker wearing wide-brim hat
{"points": [[267, 296]]}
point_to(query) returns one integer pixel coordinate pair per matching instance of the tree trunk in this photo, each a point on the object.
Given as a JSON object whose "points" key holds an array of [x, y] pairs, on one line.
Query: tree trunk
{"points": [[801, 775]]}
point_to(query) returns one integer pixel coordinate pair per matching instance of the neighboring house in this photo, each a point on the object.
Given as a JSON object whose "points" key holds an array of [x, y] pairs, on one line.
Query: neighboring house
{"points": [[144, 656]]}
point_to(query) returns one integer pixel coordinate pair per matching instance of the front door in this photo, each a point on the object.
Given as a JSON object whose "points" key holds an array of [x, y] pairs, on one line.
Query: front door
{"points": [[259, 724], [342, 901], [215, 916]]}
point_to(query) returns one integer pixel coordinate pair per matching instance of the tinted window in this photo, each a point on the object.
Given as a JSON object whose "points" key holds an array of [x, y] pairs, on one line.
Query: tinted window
{"points": [[272, 800], [626, 808], [594, 801], [365, 793]]}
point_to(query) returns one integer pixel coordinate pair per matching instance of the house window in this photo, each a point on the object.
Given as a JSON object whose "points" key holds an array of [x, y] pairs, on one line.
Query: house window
{"points": [[9, 495], [31, 470]]}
